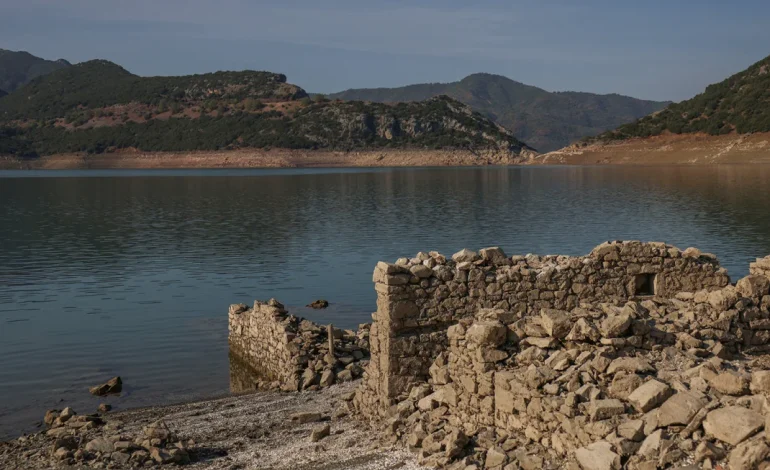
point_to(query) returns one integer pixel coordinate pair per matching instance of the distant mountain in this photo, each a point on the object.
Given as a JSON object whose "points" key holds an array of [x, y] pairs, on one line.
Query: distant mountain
{"points": [[739, 104], [98, 106], [545, 120], [18, 68], [2, 93]]}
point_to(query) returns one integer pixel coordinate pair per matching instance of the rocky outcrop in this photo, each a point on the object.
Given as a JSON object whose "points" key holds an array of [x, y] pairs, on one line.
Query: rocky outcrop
{"points": [[291, 353]]}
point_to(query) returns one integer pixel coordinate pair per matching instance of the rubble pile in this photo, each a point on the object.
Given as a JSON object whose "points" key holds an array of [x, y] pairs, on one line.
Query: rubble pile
{"points": [[87, 440], [649, 383]]}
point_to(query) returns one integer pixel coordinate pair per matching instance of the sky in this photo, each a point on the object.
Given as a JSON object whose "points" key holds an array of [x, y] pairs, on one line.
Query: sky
{"points": [[652, 49]]}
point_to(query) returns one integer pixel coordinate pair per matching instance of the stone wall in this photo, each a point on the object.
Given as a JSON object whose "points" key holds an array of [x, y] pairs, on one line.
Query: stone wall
{"points": [[646, 383], [291, 353], [418, 299]]}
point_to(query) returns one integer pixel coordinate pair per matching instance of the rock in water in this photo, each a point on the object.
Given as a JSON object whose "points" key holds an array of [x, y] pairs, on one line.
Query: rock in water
{"points": [[114, 385], [319, 304]]}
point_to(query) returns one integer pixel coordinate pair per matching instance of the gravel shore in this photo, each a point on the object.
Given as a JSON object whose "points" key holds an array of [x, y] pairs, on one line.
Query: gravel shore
{"points": [[253, 431]]}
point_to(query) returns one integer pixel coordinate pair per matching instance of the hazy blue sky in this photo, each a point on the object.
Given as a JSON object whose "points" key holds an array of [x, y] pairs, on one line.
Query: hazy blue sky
{"points": [[649, 49]]}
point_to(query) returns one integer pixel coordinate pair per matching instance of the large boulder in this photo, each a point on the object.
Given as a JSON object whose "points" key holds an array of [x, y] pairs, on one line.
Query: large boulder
{"points": [[733, 424], [598, 456], [494, 255], [679, 409], [650, 395], [730, 383], [556, 323], [487, 333]]}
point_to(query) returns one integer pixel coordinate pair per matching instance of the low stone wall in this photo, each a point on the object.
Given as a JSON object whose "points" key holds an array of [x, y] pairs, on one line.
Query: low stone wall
{"points": [[418, 299], [291, 353]]}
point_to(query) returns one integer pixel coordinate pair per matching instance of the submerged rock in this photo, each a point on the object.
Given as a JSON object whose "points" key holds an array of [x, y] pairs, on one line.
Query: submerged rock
{"points": [[114, 385], [319, 304]]}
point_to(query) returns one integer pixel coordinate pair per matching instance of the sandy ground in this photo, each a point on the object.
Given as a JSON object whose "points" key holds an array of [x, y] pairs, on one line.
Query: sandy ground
{"points": [[254, 158], [245, 432], [686, 149]]}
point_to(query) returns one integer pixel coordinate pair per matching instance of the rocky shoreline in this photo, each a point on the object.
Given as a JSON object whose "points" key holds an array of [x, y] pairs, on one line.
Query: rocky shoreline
{"points": [[267, 430], [666, 149]]}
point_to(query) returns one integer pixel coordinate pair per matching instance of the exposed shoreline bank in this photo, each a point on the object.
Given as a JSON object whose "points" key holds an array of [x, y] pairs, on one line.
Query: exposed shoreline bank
{"points": [[671, 149], [255, 158]]}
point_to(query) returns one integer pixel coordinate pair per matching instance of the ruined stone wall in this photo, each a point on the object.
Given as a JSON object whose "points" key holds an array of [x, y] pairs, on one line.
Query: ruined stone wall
{"points": [[418, 299], [261, 338], [291, 353]]}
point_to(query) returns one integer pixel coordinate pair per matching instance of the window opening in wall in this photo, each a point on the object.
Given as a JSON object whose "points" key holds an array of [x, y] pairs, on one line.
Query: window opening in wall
{"points": [[645, 284]]}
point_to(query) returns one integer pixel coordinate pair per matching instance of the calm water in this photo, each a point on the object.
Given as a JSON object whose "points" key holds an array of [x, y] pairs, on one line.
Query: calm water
{"points": [[131, 273]]}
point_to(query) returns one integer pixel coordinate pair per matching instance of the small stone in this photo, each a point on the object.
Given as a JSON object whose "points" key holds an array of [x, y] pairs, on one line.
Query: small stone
{"points": [[161, 456], [66, 414], [465, 255], [455, 443], [651, 444], [104, 408], [623, 385], [603, 409], [615, 326], [100, 444], [635, 365], [120, 457], [157, 430], [61, 453], [495, 457], [730, 383], [583, 331], [707, 450], [490, 333], [494, 255], [320, 432], [112, 386], [733, 424], [303, 418], [650, 395], [632, 430], [421, 271], [327, 378], [760, 382], [598, 456], [50, 417]]}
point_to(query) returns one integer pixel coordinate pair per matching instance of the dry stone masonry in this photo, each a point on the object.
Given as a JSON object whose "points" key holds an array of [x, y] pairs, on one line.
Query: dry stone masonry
{"points": [[638, 355], [291, 353]]}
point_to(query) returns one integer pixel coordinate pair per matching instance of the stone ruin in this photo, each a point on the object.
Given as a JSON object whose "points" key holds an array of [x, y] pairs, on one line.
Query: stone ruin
{"points": [[271, 349], [637, 355]]}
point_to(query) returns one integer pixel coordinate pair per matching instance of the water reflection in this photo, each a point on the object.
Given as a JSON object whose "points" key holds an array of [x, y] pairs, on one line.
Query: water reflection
{"points": [[243, 378]]}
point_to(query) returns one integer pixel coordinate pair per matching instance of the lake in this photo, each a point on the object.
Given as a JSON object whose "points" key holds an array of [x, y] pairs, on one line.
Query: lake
{"points": [[131, 273]]}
